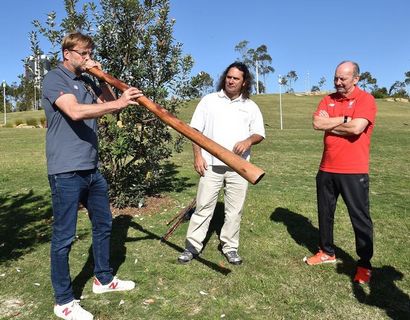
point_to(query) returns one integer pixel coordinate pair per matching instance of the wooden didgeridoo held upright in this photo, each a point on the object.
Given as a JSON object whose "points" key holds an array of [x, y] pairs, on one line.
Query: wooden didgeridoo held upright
{"points": [[246, 169]]}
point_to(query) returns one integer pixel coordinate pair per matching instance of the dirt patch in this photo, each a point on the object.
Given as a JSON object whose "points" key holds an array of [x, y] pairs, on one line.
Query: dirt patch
{"points": [[10, 308], [152, 205]]}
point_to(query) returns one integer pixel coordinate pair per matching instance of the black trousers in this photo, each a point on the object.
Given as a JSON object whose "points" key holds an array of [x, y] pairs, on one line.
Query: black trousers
{"points": [[354, 189]]}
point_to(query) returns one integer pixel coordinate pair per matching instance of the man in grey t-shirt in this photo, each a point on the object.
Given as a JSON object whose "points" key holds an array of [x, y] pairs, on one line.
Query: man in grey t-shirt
{"points": [[72, 102]]}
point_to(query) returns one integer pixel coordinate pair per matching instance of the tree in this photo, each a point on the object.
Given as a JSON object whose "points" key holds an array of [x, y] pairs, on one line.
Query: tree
{"points": [[291, 77], [24, 94], [398, 90], [366, 79], [319, 85], [315, 89], [321, 82], [261, 87], [407, 80], [379, 93], [34, 78], [200, 85], [258, 60], [135, 44]]}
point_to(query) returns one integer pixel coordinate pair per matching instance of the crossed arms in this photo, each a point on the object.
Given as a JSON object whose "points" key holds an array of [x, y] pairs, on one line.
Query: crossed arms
{"points": [[336, 125]]}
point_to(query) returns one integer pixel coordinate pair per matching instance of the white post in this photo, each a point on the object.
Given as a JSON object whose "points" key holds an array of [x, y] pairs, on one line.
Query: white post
{"points": [[257, 76], [35, 82], [280, 102], [4, 101]]}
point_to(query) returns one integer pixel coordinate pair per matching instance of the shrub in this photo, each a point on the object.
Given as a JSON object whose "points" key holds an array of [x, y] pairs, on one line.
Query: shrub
{"points": [[18, 122], [31, 121], [43, 122]]}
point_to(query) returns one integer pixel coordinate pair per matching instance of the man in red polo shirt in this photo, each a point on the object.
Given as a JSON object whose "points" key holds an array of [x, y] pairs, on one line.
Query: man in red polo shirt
{"points": [[347, 118]]}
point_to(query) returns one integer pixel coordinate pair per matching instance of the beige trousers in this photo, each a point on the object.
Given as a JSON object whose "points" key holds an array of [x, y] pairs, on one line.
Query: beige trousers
{"points": [[210, 184]]}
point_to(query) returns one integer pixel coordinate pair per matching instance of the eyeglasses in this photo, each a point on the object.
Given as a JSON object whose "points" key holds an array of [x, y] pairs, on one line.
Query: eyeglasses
{"points": [[82, 53]]}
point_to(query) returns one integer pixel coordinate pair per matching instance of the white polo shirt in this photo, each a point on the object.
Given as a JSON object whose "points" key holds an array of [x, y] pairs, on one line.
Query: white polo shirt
{"points": [[227, 122]]}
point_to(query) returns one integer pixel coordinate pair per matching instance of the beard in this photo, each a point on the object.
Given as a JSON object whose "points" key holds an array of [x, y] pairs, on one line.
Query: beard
{"points": [[79, 68]]}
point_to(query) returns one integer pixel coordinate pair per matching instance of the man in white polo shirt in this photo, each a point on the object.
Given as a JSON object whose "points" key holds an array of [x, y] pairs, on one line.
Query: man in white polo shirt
{"points": [[234, 121]]}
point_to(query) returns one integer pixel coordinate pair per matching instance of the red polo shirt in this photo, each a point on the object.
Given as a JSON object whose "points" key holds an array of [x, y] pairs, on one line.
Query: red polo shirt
{"points": [[348, 154]]}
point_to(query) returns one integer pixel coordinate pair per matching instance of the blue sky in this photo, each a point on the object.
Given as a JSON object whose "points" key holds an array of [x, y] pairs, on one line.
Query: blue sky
{"points": [[310, 37]]}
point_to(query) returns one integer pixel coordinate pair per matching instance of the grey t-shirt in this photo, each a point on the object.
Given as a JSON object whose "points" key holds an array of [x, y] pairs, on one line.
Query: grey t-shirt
{"points": [[70, 145]]}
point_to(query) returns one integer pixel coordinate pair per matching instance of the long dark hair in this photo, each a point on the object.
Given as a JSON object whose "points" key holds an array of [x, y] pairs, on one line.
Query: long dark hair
{"points": [[247, 77]]}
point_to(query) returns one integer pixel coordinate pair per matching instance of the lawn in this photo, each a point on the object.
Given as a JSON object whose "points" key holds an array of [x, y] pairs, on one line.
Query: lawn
{"points": [[279, 228]]}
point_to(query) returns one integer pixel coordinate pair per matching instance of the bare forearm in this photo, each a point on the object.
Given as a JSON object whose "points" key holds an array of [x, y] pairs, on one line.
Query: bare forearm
{"points": [[255, 139], [77, 111], [242, 146], [325, 123], [196, 149], [90, 111], [353, 127]]}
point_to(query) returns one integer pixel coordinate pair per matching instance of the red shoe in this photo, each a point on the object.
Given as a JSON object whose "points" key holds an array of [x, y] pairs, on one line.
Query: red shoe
{"points": [[319, 258], [363, 275]]}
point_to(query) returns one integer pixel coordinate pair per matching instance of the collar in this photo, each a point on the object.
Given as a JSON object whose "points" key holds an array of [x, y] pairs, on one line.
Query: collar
{"points": [[222, 94], [70, 74]]}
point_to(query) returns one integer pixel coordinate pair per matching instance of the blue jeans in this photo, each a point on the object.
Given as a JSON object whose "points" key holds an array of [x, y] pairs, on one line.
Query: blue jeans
{"points": [[68, 190]]}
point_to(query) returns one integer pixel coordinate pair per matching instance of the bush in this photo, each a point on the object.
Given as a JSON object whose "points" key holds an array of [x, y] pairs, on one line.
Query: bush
{"points": [[380, 93], [32, 122], [18, 122], [43, 122]]}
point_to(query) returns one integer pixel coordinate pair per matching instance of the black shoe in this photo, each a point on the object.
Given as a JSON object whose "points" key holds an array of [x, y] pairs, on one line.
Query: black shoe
{"points": [[185, 256], [233, 258]]}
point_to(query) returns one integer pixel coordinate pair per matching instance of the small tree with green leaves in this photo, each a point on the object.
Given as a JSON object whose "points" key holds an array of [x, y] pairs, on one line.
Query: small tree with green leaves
{"points": [[136, 45]]}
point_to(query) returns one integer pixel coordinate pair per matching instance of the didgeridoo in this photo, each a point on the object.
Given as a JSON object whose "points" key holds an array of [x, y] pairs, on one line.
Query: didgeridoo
{"points": [[246, 169]]}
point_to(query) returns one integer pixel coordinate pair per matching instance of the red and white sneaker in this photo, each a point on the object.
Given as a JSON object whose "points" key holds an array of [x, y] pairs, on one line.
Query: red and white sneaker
{"points": [[115, 285], [363, 275], [319, 258], [72, 311]]}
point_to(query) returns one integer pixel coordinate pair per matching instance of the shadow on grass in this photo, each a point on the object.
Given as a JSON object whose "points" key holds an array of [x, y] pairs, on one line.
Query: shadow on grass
{"points": [[383, 292], [24, 223], [216, 223], [119, 237], [171, 182], [118, 253]]}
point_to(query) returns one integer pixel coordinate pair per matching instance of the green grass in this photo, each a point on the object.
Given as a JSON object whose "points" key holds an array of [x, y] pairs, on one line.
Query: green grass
{"points": [[279, 228]]}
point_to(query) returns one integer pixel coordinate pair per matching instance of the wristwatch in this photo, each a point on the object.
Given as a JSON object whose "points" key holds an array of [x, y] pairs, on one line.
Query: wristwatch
{"points": [[345, 119]]}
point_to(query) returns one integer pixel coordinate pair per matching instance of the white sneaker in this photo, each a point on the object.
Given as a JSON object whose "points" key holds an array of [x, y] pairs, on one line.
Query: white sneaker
{"points": [[72, 311], [115, 285]]}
